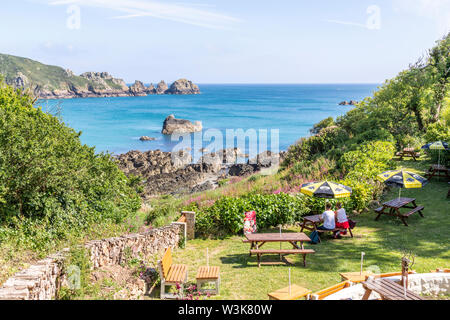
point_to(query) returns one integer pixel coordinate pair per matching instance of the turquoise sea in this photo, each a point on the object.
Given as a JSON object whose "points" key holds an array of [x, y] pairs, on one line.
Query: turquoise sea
{"points": [[116, 124]]}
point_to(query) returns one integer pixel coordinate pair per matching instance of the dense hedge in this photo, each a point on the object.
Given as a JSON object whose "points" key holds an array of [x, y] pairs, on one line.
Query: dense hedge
{"points": [[51, 184], [226, 215]]}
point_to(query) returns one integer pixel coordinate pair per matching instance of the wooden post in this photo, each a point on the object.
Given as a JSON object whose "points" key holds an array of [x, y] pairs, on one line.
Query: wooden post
{"points": [[207, 258], [289, 281], [280, 242], [362, 261]]}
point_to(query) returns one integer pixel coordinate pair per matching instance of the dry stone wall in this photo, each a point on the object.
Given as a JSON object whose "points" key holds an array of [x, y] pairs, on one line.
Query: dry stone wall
{"points": [[42, 280]]}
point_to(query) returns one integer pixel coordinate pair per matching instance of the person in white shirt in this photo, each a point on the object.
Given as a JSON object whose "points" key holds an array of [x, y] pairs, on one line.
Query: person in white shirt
{"points": [[328, 218]]}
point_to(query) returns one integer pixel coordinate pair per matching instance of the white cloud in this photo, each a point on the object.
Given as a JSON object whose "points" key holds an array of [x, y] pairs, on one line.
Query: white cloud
{"points": [[174, 12], [437, 10]]}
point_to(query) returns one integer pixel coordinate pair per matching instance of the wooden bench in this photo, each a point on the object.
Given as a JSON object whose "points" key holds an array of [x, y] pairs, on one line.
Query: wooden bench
{"points": [[171, 274], [303, 252], [207, 275], [322, 294], [293, 293], [418, 209], [336, 230], [355, 277], [408, 154]]}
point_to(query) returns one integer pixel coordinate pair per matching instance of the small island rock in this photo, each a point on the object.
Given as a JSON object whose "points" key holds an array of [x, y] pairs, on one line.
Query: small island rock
{"points": [[183, 86], [172, 125], [145, 138]]}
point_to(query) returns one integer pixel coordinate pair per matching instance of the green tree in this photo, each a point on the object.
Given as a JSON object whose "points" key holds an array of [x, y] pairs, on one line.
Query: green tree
{"points": [[48, 179]]}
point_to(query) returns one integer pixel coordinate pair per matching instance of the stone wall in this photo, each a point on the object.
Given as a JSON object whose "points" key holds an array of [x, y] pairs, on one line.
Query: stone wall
{"points": [[42, 280], [114, 251]]}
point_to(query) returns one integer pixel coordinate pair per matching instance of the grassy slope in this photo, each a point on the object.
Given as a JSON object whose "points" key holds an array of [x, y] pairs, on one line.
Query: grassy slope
{"points": [[382, 241]]}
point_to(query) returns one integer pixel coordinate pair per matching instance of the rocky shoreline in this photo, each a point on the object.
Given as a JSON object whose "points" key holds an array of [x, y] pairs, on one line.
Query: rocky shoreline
{"points": [[175, 174]]}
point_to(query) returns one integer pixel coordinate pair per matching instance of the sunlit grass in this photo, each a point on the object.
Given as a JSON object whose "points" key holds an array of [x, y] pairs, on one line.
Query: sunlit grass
{"points": [[383, 242]]}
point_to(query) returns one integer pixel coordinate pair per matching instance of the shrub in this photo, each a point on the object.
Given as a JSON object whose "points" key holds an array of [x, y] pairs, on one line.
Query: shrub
{"points": [[226, 216], [51, 184], [325, 123], [368, 160]]}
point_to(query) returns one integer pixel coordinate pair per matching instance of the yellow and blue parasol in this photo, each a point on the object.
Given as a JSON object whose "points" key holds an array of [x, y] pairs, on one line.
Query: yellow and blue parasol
{"points": [[439, 145], [402, 179], [326, 190]]}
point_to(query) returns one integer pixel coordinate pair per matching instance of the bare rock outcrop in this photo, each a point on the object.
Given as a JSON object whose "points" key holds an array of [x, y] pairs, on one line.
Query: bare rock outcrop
{"points": [[161, 88], [172, 125], [183, 86], [138, 89]]}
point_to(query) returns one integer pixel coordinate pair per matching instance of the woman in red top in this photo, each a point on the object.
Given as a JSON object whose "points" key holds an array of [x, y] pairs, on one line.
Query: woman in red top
{"points": [[341, 220]]}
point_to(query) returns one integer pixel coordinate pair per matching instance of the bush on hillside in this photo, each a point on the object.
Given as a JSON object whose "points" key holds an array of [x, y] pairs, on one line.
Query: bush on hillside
{"points": [[51, 184], [226, 216], [369, 160]]}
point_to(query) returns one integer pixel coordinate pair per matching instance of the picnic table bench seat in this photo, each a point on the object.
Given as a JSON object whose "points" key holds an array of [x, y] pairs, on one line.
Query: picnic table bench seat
{"points": [[295, 292], [336, 230], [206, 275], [418, 209], [260, 252], [171, 274]]}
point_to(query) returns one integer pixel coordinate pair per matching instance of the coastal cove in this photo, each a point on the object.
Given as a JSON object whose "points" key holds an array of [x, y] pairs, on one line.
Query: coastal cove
{"points": [[115, 124]]}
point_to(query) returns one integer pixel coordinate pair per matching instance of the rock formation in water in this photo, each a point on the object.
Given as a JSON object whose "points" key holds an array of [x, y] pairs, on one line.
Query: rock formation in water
{"points": [[183, 86], [161, 88], [348, 103], [172, 125], [138, 89]]}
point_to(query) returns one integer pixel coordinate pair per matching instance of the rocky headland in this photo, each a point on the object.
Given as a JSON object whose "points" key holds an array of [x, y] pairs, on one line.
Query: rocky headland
{"points": [[52, 82]]}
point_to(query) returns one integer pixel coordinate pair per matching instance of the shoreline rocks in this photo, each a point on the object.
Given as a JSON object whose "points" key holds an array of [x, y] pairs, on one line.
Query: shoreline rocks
{"points": [[172, 125], [174, 173]]}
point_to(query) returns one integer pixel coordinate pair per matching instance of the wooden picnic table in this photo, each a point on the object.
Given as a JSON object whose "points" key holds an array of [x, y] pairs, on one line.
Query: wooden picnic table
{"points": [[355, 277], [311, 223], [295, 292], [388, 290], [257, 240], [438, 171], [392, 208], [408, 153]]}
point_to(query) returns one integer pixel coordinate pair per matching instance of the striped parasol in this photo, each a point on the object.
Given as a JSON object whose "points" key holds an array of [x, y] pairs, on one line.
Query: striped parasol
{"points": [[403, 179], [439, 145], [326, 189]]}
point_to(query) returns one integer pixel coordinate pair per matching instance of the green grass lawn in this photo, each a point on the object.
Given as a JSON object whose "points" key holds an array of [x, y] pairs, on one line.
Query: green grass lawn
{"points": [[383, 242]]}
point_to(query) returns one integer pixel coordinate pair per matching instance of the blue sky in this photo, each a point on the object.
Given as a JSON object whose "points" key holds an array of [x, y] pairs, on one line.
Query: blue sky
{"points": [[226, 41]]}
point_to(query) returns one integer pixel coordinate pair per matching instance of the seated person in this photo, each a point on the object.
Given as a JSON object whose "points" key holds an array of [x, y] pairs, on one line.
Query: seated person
{"points": [[341, 219], [328, 218]]}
